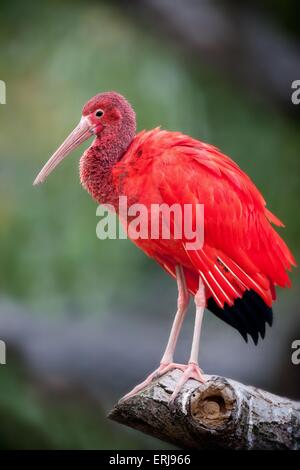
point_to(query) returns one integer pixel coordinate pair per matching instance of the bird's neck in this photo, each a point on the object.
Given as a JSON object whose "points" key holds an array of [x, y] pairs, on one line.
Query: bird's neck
{"points": [[96, 167]]}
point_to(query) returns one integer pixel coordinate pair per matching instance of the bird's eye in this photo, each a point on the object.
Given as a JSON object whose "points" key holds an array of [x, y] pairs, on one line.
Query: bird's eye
{"points": [[99, 113]]}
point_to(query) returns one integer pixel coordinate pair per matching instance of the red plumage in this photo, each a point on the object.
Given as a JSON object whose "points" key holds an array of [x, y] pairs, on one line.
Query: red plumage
{"points": [[241, 249]]}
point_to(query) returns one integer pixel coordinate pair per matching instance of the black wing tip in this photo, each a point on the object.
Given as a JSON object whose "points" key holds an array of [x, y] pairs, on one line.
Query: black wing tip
{"points": [[270, 319], [248, 315]]}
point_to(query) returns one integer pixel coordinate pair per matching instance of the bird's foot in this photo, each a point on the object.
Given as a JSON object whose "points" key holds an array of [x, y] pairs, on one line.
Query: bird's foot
{"points": [[161, 370], [191, 371]]}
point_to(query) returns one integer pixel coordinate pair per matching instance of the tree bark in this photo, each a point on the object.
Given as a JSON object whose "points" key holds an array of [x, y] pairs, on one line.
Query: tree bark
{"points": [[220, 414]]}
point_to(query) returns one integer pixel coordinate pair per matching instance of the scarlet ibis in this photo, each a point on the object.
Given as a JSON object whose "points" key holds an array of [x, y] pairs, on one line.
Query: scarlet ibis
{"points": [[243, 258]]}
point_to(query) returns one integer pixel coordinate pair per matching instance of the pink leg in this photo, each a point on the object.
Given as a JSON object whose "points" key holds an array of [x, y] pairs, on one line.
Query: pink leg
{"points": [[166, 362], [192, 370], [182, 305]]}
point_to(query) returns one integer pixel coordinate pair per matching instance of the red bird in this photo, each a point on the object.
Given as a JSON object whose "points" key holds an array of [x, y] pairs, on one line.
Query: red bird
{"points": [[242, 259]]}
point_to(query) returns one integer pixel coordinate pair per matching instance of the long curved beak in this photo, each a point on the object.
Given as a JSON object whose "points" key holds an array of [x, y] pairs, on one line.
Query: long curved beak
{"points": [[81, 133]]}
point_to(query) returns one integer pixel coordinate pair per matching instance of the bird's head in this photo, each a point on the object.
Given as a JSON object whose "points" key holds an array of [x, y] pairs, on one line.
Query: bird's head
{"points": [[107, 116]]}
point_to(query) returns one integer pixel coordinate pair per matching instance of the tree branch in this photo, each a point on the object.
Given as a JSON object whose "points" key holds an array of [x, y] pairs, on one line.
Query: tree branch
{"points": [[220, 414]]}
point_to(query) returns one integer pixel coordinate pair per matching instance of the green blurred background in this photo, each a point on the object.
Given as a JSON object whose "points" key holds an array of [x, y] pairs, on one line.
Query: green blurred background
{"points": [[84, 319]]}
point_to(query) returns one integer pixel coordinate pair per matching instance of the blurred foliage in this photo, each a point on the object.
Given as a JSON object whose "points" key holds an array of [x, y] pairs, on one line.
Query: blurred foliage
{"points": [[54, 56], [31, 418]]}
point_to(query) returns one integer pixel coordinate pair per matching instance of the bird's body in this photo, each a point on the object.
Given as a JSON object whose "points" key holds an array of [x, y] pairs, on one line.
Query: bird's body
{"points": [[235, 272], [241, 252]]}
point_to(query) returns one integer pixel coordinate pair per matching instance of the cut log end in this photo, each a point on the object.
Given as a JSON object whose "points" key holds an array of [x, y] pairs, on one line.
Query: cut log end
{"points": [[212, 405]]}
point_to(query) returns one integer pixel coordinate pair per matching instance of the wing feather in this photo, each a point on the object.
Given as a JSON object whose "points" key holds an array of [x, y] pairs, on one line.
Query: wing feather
{"points": [[241, 249]]}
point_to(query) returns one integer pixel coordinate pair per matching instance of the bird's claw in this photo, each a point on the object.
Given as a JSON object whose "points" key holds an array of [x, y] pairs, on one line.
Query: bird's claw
{"points": [[192, 371], [189, 371], [159, 372]]}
